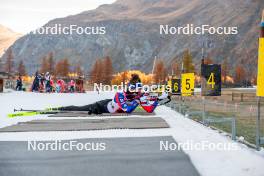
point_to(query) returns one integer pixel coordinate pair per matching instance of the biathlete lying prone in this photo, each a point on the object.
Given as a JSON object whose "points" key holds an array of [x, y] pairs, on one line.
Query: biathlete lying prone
{"points": [[123, 102]]}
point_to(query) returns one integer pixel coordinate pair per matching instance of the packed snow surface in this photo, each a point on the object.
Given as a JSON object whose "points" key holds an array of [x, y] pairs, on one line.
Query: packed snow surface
{"points": [[238, 160]]}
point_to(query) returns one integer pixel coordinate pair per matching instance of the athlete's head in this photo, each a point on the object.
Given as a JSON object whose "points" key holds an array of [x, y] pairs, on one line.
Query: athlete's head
{"points": [[135, 79], [135, 83], [134, 86]]}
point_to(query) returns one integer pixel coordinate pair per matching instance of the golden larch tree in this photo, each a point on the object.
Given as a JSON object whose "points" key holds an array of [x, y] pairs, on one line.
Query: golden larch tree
{"points": [[9, 65], [107, 70], [160, 72], [62, 68], [188, 66], [21, 69]]}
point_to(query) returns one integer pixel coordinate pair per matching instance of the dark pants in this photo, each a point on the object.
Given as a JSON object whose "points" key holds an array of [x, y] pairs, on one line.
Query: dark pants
{"points": [[72, 89], [35, 86], [19, 87], [98, 107], [48, 87]]}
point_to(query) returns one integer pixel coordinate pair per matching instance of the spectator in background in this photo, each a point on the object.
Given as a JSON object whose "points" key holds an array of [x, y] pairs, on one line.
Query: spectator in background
{"points": [[72, 86], [42, 80], [79, 85], [36, 82], [52, 85], [19, 84], [60, 87], [48, 83]]}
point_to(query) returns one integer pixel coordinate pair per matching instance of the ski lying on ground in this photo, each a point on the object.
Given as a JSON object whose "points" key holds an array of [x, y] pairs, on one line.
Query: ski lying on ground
{"points": [[30, 113]]}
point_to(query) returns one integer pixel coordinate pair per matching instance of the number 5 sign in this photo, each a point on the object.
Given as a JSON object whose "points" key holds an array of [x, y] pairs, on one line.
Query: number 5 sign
{"points": [[187, 84]]}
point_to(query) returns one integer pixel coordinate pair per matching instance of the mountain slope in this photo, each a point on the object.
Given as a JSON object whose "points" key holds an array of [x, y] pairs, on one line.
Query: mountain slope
{"points": [[132, 36], [7, 38]]}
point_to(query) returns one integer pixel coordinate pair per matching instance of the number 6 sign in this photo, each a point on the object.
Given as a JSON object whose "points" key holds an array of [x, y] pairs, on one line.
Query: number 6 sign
{"points": [[176, 86]]}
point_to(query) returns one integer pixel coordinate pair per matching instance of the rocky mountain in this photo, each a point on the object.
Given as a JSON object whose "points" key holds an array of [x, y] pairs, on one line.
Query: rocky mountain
{"points": [[133, 36], [7, 38]]}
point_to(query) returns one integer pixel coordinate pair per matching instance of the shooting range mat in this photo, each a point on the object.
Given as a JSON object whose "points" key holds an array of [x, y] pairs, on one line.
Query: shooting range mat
{"points": [[122, 156], [87, 124], [85, 114]]}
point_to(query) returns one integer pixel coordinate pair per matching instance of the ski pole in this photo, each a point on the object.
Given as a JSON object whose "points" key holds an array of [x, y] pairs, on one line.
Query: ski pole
{"points": [[33, 110], [26, 110]]}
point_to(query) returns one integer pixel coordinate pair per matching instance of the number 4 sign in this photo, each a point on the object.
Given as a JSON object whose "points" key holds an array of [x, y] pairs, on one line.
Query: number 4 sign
{"points": [[187, 84], [211, 79]]}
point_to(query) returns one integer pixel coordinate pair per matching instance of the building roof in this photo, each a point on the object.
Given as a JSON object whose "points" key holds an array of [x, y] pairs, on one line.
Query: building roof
{"points": [[4, 75]]}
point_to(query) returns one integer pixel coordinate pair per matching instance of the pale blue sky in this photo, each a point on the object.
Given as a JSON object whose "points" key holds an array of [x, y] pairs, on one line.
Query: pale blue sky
{"points": [[24, 16]]}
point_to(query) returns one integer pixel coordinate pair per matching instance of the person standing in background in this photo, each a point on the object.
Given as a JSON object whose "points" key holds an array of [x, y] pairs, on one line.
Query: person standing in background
{"points": [[48, 83], [72, 86], [19, 84]]}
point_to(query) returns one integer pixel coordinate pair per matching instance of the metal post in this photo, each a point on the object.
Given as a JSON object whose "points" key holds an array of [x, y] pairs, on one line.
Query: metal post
{"points": [[258, 125], [184, 106], [233, 129], [180, 106], [203, 109], [241, 97]]}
